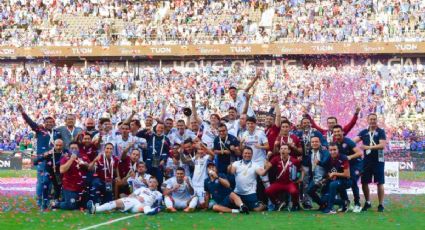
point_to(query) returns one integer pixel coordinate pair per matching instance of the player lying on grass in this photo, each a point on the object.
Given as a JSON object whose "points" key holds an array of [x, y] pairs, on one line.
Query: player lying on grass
{"points": [[142, 200]]}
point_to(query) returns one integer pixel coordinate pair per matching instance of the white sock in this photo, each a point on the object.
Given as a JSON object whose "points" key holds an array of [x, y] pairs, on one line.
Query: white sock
{"points": [[147, 209], [193, 202], [168, 202], [106, 207], [265, 180], [235, 211]]}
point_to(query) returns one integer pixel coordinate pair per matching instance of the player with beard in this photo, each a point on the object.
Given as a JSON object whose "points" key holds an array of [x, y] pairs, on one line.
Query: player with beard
{"points": [[179, 193], [138, 178]]}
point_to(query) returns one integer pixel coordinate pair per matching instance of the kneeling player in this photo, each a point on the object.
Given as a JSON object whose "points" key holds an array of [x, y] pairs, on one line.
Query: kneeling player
{"points": [[142, 200], [217, 186], [179, 193]]}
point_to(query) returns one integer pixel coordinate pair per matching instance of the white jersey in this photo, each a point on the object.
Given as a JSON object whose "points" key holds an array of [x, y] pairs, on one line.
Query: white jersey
{"points": [[239, 104], [177, 138], [245, 177], [252, 139], [182, 193], [209, 135], [150, 197], [200, 172], [120, 144], [137, 181], [233, 127], [107, 138]]}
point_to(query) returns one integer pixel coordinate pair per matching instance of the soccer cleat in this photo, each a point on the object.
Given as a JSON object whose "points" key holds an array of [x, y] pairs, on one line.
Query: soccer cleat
{"points": [[154, 211], [380, 208], [366, 206], [244, 209], [327, 211], [357, 208], [52, 204], [172, 209], [344, 207], [271, 207], [91, 208]]}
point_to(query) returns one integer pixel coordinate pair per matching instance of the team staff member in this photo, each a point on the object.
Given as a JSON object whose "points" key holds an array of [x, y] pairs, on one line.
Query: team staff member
{"points": [[226, 148], [347, 147], [287, 168], [45, 135], [374, 141], [105, 167], [73, 168], [69, 133]]}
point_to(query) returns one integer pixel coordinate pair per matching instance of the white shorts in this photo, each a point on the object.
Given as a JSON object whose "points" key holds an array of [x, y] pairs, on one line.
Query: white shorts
{"points": [[200, 193], [180, 204], [132, 204]]}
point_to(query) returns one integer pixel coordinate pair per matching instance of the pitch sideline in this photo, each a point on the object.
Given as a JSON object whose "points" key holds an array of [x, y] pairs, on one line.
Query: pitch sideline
{"points": [[111, 221]]}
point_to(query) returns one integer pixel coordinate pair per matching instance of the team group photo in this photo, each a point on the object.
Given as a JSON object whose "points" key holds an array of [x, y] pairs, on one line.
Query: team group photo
{"points": [[212, 114]]}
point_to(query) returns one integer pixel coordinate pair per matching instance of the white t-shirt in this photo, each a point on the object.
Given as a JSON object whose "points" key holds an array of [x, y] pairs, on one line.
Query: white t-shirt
{"points": [[233, 127], [245, 177], [149, 196], [251, 139], [176, 138], [137, 181], [200, 172], [182, 193], [121, 144], [209, 135]]}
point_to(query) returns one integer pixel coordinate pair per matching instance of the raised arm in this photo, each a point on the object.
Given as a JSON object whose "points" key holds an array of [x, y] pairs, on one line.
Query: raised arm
{"points": [[278, 119], [314, 124], [246, 105], [194, 111], [128, 120], [257, 76], [34, 126], [348, 127]]}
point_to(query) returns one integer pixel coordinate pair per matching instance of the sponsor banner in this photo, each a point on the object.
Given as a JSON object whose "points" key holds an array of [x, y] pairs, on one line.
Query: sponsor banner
{"points": [[397, 145], [10, 163], [391, 175], [216, 50]]}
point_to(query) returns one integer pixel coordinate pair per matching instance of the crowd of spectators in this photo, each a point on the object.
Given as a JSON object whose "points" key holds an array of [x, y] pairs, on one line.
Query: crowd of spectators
{"points": [[114, 90], [130, 22]]}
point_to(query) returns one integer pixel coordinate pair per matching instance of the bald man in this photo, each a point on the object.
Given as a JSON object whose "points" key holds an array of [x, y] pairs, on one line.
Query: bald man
{"points": [[91, 127], [51, 178]]}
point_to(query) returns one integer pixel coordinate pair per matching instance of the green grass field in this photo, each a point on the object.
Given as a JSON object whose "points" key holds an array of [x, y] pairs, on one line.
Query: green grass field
{"points": [[404, 175], [402, 212]]}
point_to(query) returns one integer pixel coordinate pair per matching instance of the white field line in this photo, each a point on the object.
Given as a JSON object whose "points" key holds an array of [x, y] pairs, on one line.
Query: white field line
{"points": [[111, 221]]}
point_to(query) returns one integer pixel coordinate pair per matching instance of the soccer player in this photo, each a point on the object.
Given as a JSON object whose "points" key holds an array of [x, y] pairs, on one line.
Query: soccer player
{"points": [[144, 200], [124, 140], [287, 168], [200, 160], [138, 178], [226, 148], [331, 122], [105, 167], [182, 134], [246, 172], [374, 141], [338, 169], [45, 135], [217, 187], [347, 147], [126, 165], [72, 167], [179, 193]]}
